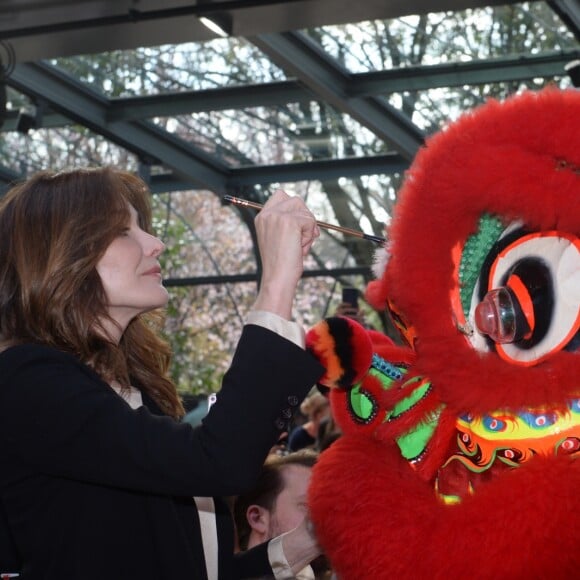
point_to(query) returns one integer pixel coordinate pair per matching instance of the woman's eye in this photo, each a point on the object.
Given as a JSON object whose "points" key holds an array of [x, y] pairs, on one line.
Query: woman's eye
{"points": [[527, 302]]}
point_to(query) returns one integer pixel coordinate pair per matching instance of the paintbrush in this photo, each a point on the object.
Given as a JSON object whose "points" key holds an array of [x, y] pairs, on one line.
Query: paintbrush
{"points": [[325, 225]]}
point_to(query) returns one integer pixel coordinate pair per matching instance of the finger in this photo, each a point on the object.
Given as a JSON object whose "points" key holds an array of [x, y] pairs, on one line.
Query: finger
{"points": [[309, 233]]}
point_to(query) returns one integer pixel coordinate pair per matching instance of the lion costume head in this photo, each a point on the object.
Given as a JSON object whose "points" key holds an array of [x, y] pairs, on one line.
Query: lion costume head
{"points": [[460, 453]]}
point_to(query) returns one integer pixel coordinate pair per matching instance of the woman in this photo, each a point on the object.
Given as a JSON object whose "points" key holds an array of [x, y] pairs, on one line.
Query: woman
{"points": [[97, 474]]}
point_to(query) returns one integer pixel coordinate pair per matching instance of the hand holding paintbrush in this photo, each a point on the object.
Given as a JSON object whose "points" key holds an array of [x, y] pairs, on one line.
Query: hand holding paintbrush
{"points": [[327, 226], [285, 231]]}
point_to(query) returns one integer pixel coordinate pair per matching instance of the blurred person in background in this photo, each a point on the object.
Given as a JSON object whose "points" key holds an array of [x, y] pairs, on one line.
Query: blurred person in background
{"points": [[278, 504], [314, 409]]}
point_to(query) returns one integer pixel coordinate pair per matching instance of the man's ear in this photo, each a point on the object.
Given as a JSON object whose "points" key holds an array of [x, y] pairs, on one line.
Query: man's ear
{"points": [[258, 518]]}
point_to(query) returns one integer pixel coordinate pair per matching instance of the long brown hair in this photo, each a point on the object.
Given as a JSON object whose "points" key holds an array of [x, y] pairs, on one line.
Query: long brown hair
{"points": [[54, 228]]}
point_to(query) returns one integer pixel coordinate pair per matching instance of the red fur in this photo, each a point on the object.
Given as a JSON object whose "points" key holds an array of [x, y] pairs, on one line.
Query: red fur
{"points": [[376, 294], [377, 520], [387, 349]]}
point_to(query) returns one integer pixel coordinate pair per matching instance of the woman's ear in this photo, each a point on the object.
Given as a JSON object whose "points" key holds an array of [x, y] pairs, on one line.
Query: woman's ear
{"points": [[258, 519]]}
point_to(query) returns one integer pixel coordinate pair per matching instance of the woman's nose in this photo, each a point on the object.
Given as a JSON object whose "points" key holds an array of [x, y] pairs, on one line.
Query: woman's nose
{"points": [[155, 246]]}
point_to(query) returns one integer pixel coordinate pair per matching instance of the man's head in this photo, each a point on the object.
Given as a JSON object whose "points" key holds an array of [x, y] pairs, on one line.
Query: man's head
{"points": [[277, 503]]}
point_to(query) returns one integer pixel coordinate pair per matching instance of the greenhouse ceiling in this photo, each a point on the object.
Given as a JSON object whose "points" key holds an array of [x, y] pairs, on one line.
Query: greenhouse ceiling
{"points": [[332, 92]]}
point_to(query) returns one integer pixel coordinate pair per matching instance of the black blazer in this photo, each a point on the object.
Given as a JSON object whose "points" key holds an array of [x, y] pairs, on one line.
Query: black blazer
{"points": [[92, 489]]}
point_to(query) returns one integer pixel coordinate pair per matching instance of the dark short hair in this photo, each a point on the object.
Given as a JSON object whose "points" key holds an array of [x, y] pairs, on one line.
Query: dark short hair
{"points": [[269, 485]]}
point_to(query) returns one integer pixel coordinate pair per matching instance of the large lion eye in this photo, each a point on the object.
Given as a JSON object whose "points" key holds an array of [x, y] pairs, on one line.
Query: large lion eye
{"points": [[527, 301]]}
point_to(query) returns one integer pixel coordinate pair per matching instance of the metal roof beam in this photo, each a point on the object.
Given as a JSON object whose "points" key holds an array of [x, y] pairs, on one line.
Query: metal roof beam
{"points": [[304, 59], [48, 120], [569, 12], [7, 178], [253, 277], [226, 98], [320, 170], [476, 72]]}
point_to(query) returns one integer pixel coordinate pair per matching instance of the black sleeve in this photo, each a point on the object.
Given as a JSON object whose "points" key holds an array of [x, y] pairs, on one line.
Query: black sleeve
{"points": [[9, 558], [58, 418], [253, 563]]}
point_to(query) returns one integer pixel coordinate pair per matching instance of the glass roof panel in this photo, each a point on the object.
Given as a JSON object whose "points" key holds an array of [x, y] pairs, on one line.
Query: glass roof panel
{"points": [[70, 146], [205, 238], [192, 66], [443, 37], [281, 134], [431, 109], [363, 204]]}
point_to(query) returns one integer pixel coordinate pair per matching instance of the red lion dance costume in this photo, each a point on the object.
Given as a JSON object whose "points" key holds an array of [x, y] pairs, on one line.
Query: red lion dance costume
{"points": [[461, 450]]}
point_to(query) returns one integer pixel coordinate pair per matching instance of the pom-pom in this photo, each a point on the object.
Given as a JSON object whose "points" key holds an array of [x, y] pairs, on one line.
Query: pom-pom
{"points": [[343, 347]]}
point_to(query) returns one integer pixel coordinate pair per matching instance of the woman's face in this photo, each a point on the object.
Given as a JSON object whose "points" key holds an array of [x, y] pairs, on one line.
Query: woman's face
{"points": [[130, 273]]}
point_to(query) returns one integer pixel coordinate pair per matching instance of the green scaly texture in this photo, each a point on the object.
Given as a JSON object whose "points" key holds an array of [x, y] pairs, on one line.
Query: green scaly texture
{"points": [[475, 251]]}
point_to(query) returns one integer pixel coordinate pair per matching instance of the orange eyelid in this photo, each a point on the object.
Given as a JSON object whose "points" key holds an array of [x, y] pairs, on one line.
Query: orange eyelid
{"points": [[455, 291], [516, 285]]}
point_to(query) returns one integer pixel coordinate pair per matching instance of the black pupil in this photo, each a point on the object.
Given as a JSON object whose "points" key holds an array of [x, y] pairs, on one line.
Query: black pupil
{"points": [[536, 277]]}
